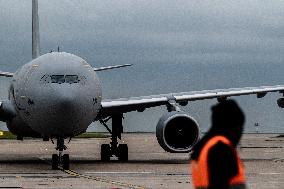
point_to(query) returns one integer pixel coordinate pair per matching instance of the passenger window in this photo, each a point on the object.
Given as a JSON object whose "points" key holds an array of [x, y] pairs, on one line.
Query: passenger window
{"points": [[71, 79], [57, 79]]}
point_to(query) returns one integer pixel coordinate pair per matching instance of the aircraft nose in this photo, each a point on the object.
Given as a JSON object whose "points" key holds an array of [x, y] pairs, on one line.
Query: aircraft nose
{"points": [[66, 101]]}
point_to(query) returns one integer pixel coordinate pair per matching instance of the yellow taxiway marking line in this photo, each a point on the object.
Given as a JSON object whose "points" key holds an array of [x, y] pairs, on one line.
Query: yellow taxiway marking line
{"points": [[99, 179], [73, 173]]}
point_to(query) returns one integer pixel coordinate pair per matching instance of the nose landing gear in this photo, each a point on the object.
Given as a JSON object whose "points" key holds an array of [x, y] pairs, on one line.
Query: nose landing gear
{"points": [[60, 159]]}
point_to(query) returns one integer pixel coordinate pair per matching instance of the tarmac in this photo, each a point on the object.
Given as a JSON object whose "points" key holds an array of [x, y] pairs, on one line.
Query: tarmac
{"points": [[26, 164]]}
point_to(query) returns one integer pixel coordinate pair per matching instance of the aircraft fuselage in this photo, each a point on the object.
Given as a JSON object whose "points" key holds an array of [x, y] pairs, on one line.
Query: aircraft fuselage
{"points": [[57, 95]]}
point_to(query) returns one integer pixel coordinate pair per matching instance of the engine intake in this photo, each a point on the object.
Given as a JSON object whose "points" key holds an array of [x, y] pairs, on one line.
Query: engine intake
{"points": [[177, 132], [280, 102], [7, 111]]}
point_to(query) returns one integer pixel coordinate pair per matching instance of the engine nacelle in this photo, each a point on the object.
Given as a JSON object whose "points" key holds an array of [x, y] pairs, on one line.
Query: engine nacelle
{"points": [[177, 132], [280, 102], [20, 128], [7, 111]]}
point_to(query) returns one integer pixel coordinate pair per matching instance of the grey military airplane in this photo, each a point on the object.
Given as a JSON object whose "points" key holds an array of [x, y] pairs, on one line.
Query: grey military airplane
{"points": [[58, 95]]}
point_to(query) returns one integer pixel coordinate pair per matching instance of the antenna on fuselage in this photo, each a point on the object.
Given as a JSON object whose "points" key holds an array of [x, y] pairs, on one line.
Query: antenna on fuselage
{"points": [[35, 30], [58, 50]]}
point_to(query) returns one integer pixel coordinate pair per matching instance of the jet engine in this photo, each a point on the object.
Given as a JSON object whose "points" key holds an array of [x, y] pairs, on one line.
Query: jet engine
{"points": [[7, 111], [280, 102], [177, 132], [14, 123], [20, 128]]}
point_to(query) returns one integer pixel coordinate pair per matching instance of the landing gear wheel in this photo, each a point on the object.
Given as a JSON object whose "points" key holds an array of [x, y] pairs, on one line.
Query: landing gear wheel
{"points": [[65, 162], [55, 161], [114, 149], [123, 152], [60, 159], [105, 152]]}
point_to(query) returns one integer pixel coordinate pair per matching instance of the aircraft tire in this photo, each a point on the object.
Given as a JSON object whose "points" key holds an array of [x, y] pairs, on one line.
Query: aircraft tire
{"points": [[66, 162], [123, 152], [55, 161], [105, 152]]}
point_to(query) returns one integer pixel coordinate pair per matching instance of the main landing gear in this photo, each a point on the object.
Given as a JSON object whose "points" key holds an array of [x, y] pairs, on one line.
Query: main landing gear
{"points": [[60, 159], [114, 149]]}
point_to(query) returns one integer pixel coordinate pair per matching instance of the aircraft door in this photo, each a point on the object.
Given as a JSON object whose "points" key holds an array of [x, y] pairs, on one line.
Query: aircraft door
{"points": [[21, 93]]}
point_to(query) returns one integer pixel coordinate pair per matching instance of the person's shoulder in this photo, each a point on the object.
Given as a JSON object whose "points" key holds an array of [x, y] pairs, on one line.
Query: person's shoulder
{"points": [[198, 147], [221, 145]]}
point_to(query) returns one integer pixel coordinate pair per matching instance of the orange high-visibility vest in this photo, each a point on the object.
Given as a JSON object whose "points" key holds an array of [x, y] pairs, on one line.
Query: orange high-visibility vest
{"points": [[200, 169]]}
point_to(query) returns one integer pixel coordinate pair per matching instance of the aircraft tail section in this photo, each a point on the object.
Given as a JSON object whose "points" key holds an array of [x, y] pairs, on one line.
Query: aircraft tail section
{"points": [[35, 30]]}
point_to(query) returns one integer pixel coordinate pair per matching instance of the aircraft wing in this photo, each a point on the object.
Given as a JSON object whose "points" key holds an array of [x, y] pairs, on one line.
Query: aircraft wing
{"points": [[6, 74], [111, 67], [124, 105]]}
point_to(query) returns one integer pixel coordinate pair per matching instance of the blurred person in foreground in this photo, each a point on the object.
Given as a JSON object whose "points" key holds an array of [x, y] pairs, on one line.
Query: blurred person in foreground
{"points": [[215, 161]]}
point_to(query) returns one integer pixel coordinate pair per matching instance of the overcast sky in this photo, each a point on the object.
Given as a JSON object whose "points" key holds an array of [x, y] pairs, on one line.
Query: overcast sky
{"points": [[174, 45]]}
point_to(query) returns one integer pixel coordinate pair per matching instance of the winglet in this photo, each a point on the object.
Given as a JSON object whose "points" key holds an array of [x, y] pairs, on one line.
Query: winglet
{"points": [[111, 67]]}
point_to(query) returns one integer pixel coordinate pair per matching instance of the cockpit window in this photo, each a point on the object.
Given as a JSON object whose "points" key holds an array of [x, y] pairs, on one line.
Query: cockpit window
{"points": [[61, 79], [57, 79], [71, 79]]}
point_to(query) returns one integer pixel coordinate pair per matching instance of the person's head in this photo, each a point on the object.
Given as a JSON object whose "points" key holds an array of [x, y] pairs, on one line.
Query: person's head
{"points": [[228, 120]]}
